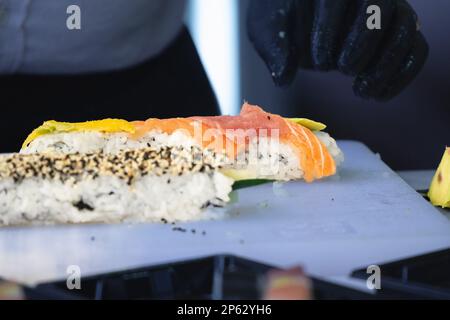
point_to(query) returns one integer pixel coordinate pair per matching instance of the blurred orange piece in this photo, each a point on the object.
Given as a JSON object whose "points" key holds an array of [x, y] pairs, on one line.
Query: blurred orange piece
{"points": [[290, 284]]}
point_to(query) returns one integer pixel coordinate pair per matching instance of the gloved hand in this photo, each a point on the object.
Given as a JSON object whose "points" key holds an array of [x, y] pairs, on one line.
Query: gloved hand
{"points": [[333, 34]]}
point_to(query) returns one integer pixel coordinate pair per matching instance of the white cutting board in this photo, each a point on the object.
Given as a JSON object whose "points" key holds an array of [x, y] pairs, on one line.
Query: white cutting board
{"points": [[364, 216]]}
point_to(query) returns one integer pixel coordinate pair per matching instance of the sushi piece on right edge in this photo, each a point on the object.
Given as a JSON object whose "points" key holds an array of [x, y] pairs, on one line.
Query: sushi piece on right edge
{"points": [[144, 185], [259, 145]]}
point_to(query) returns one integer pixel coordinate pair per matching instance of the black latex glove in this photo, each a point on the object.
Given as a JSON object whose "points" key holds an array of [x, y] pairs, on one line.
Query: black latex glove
{"points": [[333, 34]]}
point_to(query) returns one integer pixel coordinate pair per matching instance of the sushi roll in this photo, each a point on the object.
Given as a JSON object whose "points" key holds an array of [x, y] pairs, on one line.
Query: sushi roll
{"points": [[111, 188], [258, 144]]}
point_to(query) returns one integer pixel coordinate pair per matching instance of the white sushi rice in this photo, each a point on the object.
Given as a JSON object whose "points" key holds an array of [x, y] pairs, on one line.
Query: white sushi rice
{"points": [[124, 187], [92, 142], [109, 199], [267, 159]]}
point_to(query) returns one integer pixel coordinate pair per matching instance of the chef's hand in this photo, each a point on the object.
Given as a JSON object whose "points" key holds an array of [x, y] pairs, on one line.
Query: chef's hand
{"points": [[333, 34]]}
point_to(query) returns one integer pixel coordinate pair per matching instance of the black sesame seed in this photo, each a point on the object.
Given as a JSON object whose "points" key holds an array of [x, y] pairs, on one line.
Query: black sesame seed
{"points": [[82, 206]]}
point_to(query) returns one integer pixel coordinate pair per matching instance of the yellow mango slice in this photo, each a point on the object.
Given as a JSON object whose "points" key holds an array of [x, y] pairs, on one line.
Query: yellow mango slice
{"points": [[105, 125], [239, 174], [439, 193], [310, 124]]}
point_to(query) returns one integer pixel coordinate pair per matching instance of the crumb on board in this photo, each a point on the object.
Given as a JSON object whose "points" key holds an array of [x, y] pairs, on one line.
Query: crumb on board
{"points": [[192, 231], [264, 204]]}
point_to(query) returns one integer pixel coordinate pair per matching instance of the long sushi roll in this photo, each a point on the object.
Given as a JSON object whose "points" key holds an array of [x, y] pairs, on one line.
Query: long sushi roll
{"points": [[258, 144], [106, 188]]}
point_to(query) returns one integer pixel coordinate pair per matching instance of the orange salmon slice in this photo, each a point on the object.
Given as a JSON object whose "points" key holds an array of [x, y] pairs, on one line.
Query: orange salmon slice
{"points": [[314, 158]]}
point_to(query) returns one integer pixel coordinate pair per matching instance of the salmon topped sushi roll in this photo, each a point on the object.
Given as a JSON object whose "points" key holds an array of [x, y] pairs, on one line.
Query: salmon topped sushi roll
{"points": [[257, 144]]}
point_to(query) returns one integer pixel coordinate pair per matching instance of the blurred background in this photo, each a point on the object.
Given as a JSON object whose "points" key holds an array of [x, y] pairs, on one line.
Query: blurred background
{"points": [[409, 132]]}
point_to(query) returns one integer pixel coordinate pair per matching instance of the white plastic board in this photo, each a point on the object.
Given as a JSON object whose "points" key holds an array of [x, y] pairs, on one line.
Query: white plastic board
{"points": [[366, 215]]}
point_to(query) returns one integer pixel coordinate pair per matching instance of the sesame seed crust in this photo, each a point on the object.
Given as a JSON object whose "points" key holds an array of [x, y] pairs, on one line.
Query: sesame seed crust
{"points": [[127, 165]]}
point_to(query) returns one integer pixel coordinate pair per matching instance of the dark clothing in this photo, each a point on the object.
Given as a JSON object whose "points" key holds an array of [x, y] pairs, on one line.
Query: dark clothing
{"points": [[174, 84]]}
